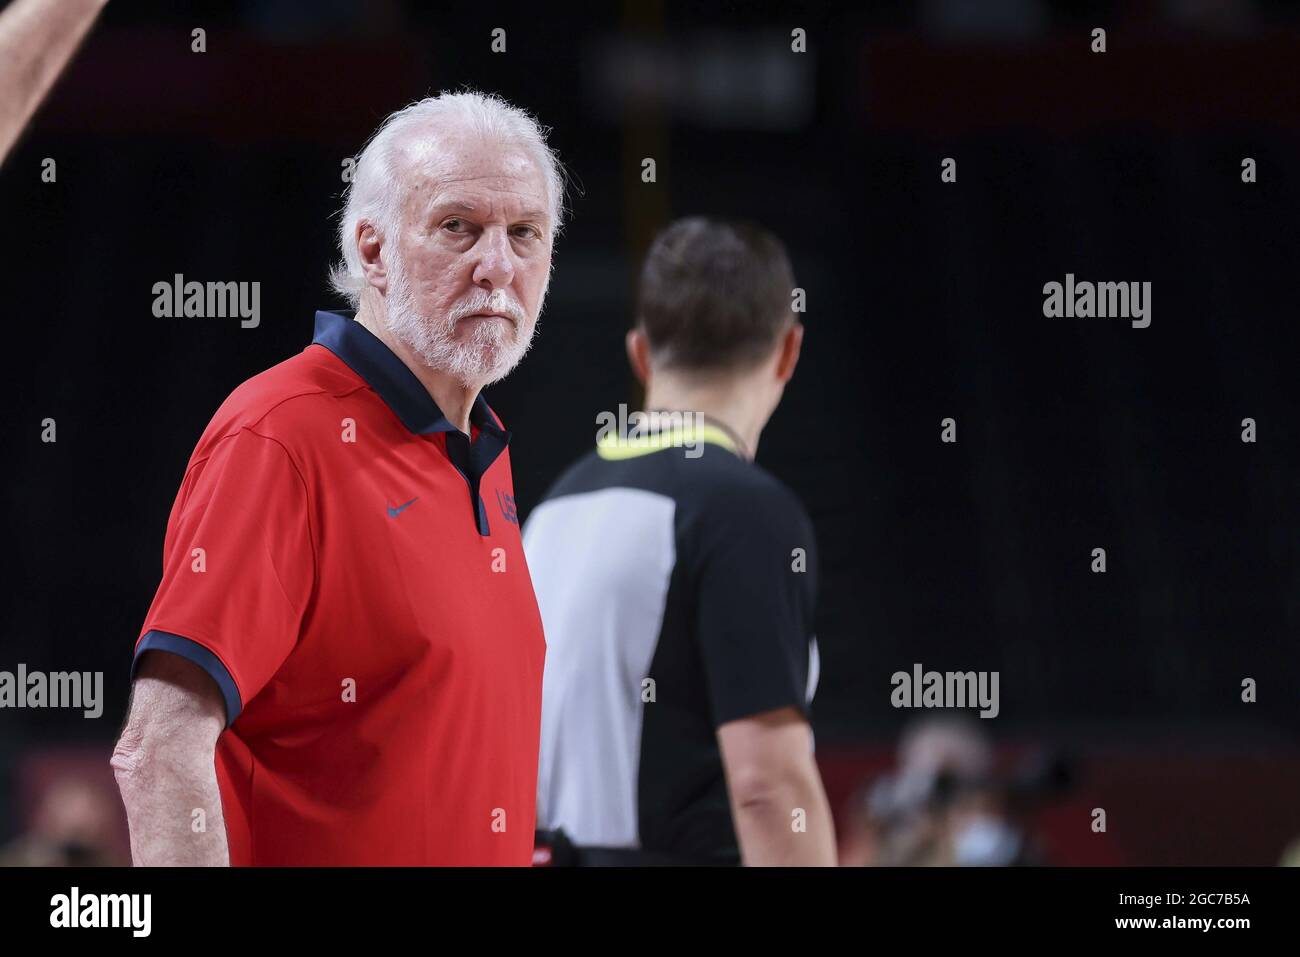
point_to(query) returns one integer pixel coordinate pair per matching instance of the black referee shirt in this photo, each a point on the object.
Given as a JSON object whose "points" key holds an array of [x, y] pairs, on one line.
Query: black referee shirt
{"points": [[677, 589]]}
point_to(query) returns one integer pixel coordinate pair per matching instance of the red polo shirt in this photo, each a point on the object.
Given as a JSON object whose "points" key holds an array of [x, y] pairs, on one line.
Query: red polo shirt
{"points": [[347, 566]]}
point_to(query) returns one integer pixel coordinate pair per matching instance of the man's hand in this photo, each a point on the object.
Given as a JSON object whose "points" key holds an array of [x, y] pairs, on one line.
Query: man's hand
{"points": [[165, 767], [37, 39]]}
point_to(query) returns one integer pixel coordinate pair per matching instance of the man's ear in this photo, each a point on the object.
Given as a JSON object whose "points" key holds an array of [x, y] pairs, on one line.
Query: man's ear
{"points": [[788, 352], [370, 249], [638, 354]]}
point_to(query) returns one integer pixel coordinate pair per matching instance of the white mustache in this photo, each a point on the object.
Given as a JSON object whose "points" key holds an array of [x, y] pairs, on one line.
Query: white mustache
{"points": [[496, 301]]}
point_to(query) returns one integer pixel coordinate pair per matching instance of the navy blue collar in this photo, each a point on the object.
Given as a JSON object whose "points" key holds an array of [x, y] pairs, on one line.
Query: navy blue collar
{"points": [[367, 356]]}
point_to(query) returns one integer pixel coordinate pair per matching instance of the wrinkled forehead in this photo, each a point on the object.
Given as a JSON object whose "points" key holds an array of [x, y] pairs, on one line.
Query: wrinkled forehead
{"points": [[433, 166]]}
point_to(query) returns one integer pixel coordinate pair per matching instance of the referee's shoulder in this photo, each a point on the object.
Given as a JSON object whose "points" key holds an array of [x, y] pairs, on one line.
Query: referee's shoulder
{"points": [[584, 474], [730, 489]]}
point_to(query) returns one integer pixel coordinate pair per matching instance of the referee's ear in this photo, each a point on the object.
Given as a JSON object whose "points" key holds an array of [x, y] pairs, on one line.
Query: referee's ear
{"points": [[788, 352], [638, 354]]}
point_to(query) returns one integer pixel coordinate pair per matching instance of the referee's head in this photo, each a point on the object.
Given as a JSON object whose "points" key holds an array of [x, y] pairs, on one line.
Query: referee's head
{"points": [[714, 309]]}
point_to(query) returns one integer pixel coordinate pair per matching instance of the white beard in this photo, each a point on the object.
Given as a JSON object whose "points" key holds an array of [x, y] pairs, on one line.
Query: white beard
{"points": [[487, 356]]}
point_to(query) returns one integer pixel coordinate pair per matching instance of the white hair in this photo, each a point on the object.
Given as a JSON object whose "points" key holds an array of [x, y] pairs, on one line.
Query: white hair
{"points": [[373, 194]]}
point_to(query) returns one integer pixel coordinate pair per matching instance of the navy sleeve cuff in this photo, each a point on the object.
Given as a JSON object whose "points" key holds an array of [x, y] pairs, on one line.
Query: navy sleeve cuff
{"points": [[193, 651]]}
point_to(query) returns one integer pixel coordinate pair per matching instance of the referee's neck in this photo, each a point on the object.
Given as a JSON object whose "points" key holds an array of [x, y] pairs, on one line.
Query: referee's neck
{"points": [[737, 402]]}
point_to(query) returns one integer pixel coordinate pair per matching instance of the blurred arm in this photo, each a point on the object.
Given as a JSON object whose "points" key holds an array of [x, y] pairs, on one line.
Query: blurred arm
{"points": [[37, 39], [771, 772], [165, 767]]}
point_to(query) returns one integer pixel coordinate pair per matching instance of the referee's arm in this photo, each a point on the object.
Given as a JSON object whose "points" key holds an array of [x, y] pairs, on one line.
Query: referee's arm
{"points": [[778, 804], [755, 610]]}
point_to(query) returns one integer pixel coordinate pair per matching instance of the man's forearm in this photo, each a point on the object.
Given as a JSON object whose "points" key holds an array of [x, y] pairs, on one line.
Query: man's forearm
{"points": [[173, 805], [787, 826], [37, 39]]}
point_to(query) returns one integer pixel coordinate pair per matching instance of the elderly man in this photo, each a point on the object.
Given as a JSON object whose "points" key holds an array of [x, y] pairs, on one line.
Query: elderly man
{"points": [[346, 619]]}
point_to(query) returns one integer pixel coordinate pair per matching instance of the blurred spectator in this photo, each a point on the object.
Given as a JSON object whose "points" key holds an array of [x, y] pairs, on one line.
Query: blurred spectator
{"points": [[1291, 856], [73, 826], [946, 806]]}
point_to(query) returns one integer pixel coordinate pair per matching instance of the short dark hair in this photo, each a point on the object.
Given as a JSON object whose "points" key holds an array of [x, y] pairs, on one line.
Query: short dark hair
{"points": [[714, 294]]}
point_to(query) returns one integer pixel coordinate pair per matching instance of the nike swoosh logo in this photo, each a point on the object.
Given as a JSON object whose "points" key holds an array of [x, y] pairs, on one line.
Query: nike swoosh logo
{"points": [[394, 512]]}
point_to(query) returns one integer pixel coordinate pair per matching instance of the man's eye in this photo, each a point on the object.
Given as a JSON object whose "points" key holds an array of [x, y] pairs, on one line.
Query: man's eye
{"points": [[526, 231], [453, 225]]}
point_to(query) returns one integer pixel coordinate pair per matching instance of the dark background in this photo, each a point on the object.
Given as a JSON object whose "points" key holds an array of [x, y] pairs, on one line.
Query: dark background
{"points": [[924, 301]]}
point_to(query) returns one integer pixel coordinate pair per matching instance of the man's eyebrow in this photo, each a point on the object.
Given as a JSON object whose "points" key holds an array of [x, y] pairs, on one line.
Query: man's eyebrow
{"points": [[464, 206], [459, 205]]}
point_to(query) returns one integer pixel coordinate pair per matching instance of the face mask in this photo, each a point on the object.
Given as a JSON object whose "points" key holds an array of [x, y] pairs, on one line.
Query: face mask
{"points": [[986, 842]]}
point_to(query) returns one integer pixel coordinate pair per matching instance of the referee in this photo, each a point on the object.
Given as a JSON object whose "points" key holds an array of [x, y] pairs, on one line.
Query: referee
{"points": [[676, 581], [345, 625]]}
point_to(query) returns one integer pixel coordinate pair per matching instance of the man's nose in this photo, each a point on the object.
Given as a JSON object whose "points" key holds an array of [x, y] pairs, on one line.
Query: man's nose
{"points": [[495, 265]]}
